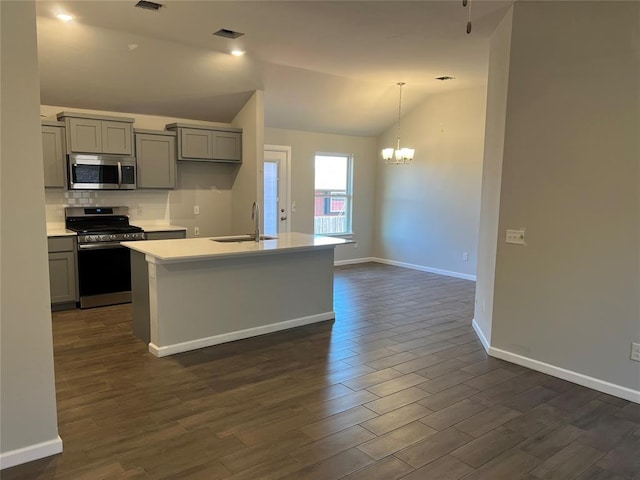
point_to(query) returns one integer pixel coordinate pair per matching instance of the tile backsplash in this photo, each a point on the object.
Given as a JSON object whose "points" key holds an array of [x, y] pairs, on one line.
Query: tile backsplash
{"points": [[144, 205]]}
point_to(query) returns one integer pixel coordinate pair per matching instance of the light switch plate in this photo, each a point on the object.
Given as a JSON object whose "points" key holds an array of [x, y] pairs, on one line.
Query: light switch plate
{"points": [[196, 210], [515, 237], [635, 352]]}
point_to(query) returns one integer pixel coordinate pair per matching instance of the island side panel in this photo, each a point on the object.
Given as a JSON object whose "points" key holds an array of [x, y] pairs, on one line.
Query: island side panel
{"points": [[202, 303], [140, 296]]}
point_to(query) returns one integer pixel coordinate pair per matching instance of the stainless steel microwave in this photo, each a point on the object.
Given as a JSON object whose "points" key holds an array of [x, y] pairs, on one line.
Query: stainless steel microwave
{"points": [[101, 172]]}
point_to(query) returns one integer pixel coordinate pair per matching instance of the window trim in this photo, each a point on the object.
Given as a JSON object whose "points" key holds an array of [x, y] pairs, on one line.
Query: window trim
{"points": [[348, 233]]}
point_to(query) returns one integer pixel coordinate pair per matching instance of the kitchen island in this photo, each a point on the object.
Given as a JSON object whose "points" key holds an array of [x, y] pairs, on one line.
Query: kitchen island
{"points": [[197, 292]]}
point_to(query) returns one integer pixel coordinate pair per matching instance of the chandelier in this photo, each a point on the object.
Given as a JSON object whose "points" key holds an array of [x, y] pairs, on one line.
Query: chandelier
{"points": [[398, 156]]}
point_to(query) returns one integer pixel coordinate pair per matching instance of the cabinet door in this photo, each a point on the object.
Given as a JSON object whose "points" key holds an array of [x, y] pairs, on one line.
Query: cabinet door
{"points": [[53, 156], [116, 137], [62, 277], [156, 160], [196, 143], [227, 146], [85, 135]]}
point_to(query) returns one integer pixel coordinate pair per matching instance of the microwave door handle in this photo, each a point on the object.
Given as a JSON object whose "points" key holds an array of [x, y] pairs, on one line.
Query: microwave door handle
{"points": [[119, 175]]}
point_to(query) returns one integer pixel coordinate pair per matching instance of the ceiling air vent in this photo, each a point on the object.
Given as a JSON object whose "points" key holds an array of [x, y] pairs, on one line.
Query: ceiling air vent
{"points": [[149, 5], [226, 33], [445, 77]]}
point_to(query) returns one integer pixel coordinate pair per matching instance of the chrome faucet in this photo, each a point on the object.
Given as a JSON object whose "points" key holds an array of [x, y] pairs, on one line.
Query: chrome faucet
{"points": [[255, 215]]}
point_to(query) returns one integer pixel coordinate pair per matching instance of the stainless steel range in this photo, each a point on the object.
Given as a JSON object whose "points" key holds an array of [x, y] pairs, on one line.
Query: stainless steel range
{"points": [[104, 266]]}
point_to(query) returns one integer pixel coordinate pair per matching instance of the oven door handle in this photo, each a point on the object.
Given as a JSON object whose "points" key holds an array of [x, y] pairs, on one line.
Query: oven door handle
{"points": [[119, 175], [99, 245]]}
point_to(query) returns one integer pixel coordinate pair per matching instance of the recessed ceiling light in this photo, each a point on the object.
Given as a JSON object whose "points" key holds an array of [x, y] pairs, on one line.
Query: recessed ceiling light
{"points": [[65, 17], [237, 53]]}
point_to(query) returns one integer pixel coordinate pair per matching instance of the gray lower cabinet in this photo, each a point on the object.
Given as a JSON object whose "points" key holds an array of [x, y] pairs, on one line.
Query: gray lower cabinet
{"points": [[63, 282], [167, 235], [207, 144], [155, 158], [88, 133], [53, 154]]}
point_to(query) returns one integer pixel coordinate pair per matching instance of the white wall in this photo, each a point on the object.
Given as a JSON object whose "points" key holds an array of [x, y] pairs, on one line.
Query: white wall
{"points": [[570, 176], [304, 146], [248, 184], [492, 175], [28, 424], [428, 211]]}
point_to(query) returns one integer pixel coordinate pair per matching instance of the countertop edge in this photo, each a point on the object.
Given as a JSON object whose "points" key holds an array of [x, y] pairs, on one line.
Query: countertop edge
{"points": [[205, 252], [158, 260]]}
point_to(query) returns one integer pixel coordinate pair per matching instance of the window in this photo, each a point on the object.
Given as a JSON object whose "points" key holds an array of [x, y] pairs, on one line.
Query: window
{"points": [[334, 195]]}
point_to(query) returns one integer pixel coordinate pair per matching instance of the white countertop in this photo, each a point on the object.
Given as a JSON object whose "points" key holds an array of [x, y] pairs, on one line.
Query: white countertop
{"points": [[58, 230], [203, 248]]}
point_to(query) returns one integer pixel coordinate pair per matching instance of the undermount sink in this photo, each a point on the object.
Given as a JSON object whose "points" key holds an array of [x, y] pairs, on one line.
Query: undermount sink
{"points": [[242, 238]]}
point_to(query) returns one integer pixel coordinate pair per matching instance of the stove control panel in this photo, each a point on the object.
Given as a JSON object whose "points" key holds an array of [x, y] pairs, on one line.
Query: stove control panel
{"points": [[111, 237]]}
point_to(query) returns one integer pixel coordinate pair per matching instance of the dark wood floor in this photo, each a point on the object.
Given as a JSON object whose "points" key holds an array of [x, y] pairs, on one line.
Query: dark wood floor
{"points": [[397, 387]]}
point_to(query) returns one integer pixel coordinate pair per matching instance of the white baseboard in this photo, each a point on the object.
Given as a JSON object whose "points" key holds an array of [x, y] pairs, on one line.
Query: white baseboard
{"points": [[353, 261], [437, 271], [571, 376], [239, 335], [480, 334], [30, 453]]}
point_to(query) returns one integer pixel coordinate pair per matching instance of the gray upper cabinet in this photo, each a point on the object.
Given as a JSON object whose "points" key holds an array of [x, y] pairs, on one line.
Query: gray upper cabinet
{"points": [[88, 133], [85, 135], [208, 144], [156, 158], [53, 150], [227, 145], [117, 138], [196, 144]]}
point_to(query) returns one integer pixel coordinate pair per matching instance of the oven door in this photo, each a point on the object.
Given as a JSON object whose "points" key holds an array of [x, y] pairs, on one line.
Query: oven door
{"points": [[104, 274], [101, 172]]}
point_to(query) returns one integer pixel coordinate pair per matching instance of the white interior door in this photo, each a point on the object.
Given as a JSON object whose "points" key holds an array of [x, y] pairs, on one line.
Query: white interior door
{"points": [[276, 189]]}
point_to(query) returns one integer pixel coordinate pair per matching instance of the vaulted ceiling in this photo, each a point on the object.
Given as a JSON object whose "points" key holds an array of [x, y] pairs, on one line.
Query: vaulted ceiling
{"points": [[325, 66]]}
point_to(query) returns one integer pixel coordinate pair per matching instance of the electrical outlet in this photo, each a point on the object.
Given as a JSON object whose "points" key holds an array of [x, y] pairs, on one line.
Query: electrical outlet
{"points": [[635, 352], [515, 237], [465, 257], [196, 210], [196, 231]]}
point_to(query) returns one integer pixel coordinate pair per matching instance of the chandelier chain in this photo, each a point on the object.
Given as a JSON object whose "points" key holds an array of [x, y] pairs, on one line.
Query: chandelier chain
{"points": [[400, 84]]}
